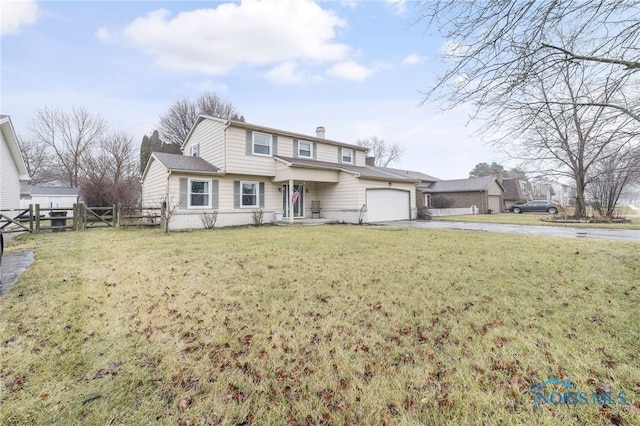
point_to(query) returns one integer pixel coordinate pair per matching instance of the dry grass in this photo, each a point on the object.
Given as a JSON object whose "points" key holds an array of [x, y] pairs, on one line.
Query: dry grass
{"points": [[537, 219], [316, 325]]}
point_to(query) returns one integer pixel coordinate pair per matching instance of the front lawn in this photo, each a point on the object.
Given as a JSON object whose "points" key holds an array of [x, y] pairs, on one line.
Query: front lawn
{"points": [[318, 325], [535, 219]]}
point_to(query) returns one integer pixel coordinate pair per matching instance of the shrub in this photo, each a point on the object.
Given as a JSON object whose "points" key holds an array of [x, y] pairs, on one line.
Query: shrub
{"points": [[441, 202]]}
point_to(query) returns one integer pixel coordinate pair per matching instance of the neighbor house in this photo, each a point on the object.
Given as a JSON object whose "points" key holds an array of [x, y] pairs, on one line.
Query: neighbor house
{"points": [[517, 191], [485, 193], [12, 166], [49, 197], [239, 169]]}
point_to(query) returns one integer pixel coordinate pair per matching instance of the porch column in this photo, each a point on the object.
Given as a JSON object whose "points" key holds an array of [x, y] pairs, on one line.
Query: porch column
{"points": [[290, 200]]}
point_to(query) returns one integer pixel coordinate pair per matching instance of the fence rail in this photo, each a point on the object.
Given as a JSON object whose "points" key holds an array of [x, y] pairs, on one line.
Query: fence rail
{"points": [[79, 217]]}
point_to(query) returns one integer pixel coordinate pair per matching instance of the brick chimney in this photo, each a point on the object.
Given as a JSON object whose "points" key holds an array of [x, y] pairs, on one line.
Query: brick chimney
{"points": [[498, 174], [320, 132], [370, 161]]}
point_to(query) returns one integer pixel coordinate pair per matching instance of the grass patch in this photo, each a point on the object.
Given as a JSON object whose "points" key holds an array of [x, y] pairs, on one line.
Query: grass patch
{"points": [[535, 219], [316, 325]]}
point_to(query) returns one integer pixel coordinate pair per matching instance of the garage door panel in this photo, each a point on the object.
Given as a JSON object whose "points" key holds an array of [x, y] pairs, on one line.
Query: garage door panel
{"points": [[388, 204]]}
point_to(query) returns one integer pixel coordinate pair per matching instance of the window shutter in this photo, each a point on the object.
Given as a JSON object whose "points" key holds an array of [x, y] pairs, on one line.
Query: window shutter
{"points": [[214, 194], [295, 148], [339, 155], [315, 151], [236, 194], [353, 156], [261, 194], [249, 142], [184, 193], [274, 144]]}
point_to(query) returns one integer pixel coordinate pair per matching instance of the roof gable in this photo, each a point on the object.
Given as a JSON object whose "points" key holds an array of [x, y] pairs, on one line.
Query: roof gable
{"points": [[6, 127]]}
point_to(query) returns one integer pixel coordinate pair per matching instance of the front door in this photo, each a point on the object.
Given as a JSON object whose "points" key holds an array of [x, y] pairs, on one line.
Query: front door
{"points": [[298, 204]]}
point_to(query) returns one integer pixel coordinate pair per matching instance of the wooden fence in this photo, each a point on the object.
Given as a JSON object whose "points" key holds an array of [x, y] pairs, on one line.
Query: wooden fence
{"points": [[35, 219]]}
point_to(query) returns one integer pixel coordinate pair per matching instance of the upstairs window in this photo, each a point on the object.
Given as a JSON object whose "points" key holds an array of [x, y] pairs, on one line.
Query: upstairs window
{"points": [[305, 149], [346, 155], [194, 151], [262, 144]]}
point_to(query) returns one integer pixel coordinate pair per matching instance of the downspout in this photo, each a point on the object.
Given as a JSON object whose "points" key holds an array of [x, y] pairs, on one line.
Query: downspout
{"points": [[224, 145]]}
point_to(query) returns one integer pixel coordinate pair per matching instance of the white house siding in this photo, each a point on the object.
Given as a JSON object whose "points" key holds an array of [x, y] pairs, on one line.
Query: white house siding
{"points": [[339, 201], [9, 178], [154, 189], [329, 153], [239, 162], [210, 135]]}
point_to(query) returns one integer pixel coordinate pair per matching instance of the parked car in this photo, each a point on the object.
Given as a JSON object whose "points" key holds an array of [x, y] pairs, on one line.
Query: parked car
{"points": [[537, 206]]}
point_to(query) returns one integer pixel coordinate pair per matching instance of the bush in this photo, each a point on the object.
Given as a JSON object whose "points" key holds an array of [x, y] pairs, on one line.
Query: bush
{"points": [[209, 219], [441, 202]]}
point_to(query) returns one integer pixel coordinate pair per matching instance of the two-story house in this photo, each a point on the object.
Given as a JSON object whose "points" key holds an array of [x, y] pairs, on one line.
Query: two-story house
{"points": [[236, 168]]}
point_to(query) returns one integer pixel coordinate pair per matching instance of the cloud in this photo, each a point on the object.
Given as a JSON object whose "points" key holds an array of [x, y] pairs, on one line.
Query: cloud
{"points": [[251, 33], [414, 59], [350, 70], [16, 13], [286, 73]]}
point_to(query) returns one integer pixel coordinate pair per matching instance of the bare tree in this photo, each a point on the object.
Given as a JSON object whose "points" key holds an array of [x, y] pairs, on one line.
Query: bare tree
{"points": [[176, 123], [495, 48], [611, 176], [384, 153], [39, 161], [554, 134], [69, 134], [111, 172]]}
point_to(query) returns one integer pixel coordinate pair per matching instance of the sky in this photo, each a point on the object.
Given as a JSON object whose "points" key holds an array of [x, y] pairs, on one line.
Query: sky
{"points": [[359, 68]]}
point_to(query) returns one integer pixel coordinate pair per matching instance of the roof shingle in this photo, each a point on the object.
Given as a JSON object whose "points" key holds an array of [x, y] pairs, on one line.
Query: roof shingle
{"points": [[184, 162]]}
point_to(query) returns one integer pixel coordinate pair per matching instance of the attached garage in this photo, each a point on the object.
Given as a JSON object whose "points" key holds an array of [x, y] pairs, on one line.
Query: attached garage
{"points": [[495, 203], [388, 204]]}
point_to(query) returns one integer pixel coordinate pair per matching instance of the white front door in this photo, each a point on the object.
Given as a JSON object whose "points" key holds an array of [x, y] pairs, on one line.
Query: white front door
{"points": [[298, 204]]}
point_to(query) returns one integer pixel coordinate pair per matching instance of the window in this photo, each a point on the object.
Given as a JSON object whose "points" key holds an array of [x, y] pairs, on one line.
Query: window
{"points": [[305, 149], [249, 194], [194, 151], [199, 193], [523, 187], [346, 155], [261, 144]]}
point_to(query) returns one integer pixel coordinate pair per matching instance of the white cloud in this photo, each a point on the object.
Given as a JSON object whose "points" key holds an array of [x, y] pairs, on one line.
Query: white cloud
{"points": [[350, 70], [16, 13], [413, 59], [254, 33], [286, 73]]}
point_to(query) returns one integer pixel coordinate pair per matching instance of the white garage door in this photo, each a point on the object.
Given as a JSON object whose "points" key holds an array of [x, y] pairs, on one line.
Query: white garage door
{"points": [[494, 203], [387, 204]]}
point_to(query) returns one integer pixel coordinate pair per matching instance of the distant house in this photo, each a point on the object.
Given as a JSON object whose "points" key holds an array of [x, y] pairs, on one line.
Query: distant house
{"points": [[50, 197], [12, 166], [518, 191], [486, 193]]}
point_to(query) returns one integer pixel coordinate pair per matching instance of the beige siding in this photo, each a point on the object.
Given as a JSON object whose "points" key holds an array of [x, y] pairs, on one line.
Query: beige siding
{"points": [[9, 178], [239, 162], [328, 153], [494, 189], [210, 135], [154, 187], [340, 196]]}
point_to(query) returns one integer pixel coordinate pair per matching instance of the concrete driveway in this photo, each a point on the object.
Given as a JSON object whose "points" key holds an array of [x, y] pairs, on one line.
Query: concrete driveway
{"points": [[550, 231]]}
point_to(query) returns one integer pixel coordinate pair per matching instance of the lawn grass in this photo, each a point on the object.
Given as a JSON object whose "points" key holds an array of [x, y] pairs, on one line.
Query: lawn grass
{"points": [[317, 325], [536, 219]]}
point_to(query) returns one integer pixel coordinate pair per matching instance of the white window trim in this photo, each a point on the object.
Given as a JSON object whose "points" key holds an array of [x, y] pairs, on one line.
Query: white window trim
{"points": [[257, 185], [209, 194], [342, 151], [300, 155], [253, 144], [195, 149]]}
